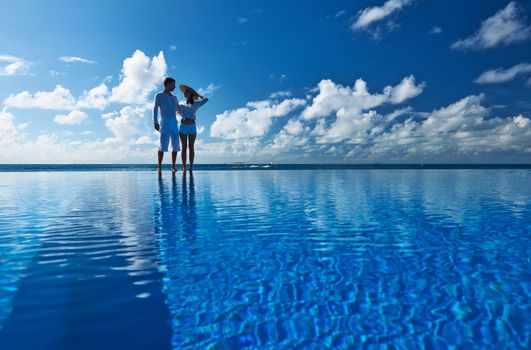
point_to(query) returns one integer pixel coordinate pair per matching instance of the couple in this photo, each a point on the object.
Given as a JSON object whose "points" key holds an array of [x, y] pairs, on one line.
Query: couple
{"points": [[169, 130]]}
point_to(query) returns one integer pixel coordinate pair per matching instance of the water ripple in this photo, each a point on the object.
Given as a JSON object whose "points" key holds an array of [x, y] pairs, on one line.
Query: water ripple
{"points": [[304, 259]]}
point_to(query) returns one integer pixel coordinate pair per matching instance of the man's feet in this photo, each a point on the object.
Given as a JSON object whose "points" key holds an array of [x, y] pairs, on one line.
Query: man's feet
{"points": [[173, 171], [191, 170], [159, 171]]}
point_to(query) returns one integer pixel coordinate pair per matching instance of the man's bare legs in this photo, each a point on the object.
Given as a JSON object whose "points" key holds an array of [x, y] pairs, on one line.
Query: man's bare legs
{"points": [[184, 146], [159, 168], [173, 159], [191, 139]]}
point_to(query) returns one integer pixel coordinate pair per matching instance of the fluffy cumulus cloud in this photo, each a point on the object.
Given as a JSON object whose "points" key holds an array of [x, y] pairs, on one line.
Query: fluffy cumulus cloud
{"points": [[12, 65], [507, 26], [59, 99], [345, 124], [97, 97], [74, 117], [131, 138], [140, 76], [128, 125], [500, 75], [293, 135], [130, 141], [463, 130], [334, 98], [9, 131], [372, 15], [254, 120]]}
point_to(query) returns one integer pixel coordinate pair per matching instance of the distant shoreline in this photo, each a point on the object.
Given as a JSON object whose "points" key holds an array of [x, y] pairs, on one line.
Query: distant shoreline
{"points": [[249, 166]]}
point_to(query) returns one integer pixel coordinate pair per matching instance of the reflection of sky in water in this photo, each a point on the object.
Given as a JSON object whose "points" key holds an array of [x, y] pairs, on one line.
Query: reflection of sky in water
{"points": [[86, 261], [326, 258], [348, 257]]}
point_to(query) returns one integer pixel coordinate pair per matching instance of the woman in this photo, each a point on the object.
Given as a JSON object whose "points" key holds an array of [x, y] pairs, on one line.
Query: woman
{"points": [[188, 129]]}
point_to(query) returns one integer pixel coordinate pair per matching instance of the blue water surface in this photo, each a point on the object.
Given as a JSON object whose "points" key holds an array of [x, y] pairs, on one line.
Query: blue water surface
{"points": [[300, 259]]}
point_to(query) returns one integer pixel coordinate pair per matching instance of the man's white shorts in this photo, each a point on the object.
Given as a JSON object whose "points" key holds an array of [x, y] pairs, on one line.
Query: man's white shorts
{"points": [[169, 131]]}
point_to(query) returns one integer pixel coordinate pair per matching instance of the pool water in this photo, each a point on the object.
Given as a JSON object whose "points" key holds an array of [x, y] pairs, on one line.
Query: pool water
{"points": [[306, 259]]}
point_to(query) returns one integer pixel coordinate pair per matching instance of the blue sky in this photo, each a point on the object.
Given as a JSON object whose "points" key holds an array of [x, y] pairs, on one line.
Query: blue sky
{"points": [[381, 81]]}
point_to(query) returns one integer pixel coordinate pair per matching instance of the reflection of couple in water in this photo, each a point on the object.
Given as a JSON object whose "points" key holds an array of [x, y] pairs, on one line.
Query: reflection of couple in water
{"points": [[169, 129], [176, 206]]}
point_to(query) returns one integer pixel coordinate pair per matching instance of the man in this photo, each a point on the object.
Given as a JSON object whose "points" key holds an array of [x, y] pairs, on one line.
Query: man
{"points": [[168, 129]]}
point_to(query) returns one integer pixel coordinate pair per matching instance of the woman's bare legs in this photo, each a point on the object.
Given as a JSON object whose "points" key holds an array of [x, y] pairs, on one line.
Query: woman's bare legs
{"points": [[184, 146], [191, 141]]}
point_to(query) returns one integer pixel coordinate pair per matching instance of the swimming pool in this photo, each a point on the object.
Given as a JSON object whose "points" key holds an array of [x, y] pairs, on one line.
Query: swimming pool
{"points": [[343, 259]]}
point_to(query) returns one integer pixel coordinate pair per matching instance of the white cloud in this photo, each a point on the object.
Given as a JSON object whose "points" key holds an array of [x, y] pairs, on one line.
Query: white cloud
{"points": [[96, 98], [463, 129], [500, 75], [59, 99], [74, 117], [8, 130], [254, 120], [209, 90], [17, 147], [242, 20], [127, 125], [75, 59], [281, 78], [505, 27], [140, 76], [371, 15], [132, 140], [340, 13], [436, 30], [173, 47], [334, 98], [55, 73], [279, 94], [245, 149], [405, 90], [12, 65], [293, 134]]}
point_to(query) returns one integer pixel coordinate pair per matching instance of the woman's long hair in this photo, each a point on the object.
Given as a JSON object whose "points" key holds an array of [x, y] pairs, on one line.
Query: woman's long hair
{"points": [[190, 98]]}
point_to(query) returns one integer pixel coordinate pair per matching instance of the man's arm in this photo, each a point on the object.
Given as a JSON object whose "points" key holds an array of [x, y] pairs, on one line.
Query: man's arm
{"points": [[156, 113]]}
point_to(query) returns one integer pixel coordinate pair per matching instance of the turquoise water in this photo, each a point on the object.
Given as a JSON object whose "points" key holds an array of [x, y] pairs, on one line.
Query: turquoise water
{"points": [[309, 259]]}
